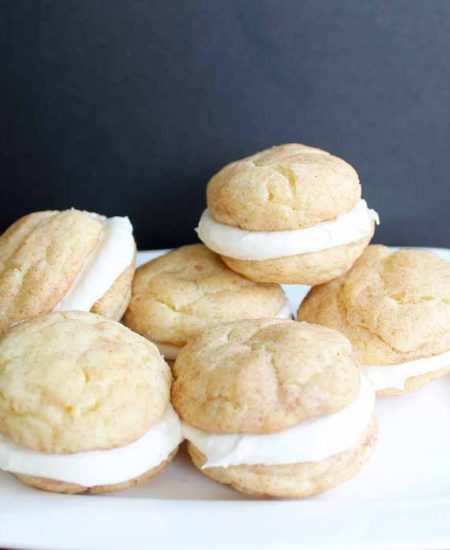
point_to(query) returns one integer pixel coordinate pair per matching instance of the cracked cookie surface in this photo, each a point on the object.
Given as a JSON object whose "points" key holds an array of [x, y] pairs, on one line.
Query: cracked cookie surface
{"points": [[285, 187], [186, 291], [74, 381], [394, 306], [263, 376]]}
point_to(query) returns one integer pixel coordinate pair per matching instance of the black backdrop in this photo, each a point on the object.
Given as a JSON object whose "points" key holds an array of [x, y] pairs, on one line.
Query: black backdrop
{"points": [[127, 107]]}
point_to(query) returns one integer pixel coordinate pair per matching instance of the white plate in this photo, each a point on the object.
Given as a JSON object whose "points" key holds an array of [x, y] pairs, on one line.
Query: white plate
{"points": [[400, 500]]}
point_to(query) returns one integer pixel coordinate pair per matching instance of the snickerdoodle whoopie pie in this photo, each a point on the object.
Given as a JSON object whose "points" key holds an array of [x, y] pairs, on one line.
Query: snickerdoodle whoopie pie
{"points": [[394, 306], [274, 407], [178, 295], [65, 260], [289, 214], [84, 404]]}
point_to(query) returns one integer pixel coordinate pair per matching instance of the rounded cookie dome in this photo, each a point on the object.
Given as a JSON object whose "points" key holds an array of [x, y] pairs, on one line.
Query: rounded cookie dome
{"points": [[394, 306], [74, 381], [285, 187], [263, 376], [189, 289]]}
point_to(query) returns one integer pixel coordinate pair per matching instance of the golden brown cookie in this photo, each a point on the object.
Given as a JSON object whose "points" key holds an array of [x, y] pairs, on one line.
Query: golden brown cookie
{"points": [[82, 397], [313, 268], [65, 260], [394, 306], [282, 188], [180, 294], [114, 302], [289, 214], [274, 407]]}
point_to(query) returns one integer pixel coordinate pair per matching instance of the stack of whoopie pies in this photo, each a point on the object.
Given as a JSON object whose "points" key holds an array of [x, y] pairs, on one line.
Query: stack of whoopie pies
{"points": [[268, 405]]}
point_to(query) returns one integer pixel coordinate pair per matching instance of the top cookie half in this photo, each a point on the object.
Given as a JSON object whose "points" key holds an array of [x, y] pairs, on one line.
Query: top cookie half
{"points": [[287, 187], [263, 376], [394, 306], [75, 381], [178, 295]]}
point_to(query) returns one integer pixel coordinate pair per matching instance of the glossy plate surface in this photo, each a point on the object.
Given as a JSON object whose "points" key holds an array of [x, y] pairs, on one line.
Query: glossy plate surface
{"points": [[400, 500]]}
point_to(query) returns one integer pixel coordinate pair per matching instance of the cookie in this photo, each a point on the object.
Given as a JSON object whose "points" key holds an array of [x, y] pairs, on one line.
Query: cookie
{"points": [[84, 404], [289, 214], [394, 306], [180, 294], [274, 407], [65, 260]]}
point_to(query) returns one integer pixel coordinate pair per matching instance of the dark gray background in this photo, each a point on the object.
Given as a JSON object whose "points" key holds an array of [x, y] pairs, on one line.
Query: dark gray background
{"points": [[128, 107]]}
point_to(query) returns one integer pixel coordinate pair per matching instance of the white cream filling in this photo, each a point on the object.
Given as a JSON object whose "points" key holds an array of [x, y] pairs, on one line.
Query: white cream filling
{"points": [[285, 312], [264, 245], [309, 441], [385, 377], [112, 256], [97, 467], [170, 352]]}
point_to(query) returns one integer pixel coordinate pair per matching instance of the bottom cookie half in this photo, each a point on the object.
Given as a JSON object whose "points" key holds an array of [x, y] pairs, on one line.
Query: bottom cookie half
{"points": [[293, 480], [54, 486], [115, 301], [312, 268], [414, 382]]}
